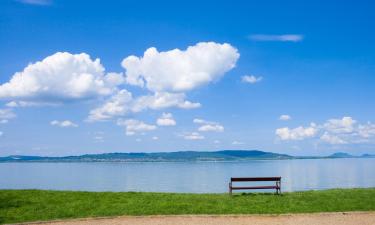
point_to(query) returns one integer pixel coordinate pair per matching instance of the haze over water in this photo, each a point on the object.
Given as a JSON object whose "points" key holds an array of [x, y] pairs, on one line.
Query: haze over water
{"points": [[189, 177]]}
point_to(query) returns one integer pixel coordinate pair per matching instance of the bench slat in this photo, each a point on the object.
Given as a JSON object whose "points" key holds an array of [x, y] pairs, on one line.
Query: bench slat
{"points": [[255, 178], [255, 187]]}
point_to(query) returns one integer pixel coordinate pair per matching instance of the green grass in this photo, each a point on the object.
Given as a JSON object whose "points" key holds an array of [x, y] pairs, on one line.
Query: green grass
{"points": [[36, 205]]}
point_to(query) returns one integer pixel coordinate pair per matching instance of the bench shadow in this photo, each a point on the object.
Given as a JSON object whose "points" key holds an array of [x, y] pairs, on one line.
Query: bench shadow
{"points": [[236, 195]]}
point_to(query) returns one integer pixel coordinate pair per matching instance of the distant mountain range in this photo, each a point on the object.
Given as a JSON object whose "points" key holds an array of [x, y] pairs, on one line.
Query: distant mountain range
{"points": [[224, 155]]}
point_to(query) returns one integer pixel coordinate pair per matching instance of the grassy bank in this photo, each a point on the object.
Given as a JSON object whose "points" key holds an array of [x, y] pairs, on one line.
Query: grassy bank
{"points": [[33, 205]]}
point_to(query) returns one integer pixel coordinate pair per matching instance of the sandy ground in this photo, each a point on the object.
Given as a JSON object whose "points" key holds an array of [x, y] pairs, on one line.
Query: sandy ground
{"points": [[351, 218]]}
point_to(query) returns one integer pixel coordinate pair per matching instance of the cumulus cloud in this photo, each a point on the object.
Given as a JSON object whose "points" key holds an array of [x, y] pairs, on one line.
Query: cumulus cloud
{"points": [[347, 130], [344, 125], [14, 104], [332, 139], [251, 79], [282, 38], [298, 133], [160, 100], [123, 103], [155, 138], [334, 131], [133, 126], [180, 70], [285, 117], [118, 105], [61, 76], [6, 114], [209, 126], [166, 119], [166, 76], [64, 123], [193, 136], [366, 130]]}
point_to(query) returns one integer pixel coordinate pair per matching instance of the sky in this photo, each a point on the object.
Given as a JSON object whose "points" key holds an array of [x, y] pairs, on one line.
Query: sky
{"points": [[81, 77]]}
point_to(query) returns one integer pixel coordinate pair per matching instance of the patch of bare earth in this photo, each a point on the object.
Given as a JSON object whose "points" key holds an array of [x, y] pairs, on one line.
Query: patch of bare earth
{"points": [[350, 218]]}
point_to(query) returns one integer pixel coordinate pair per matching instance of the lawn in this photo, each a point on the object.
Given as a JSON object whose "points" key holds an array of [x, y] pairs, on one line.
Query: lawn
{"points": [[37, 205]]}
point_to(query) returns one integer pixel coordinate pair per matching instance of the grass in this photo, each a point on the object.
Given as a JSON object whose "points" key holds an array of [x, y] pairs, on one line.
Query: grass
{"points": [[38, 205]]}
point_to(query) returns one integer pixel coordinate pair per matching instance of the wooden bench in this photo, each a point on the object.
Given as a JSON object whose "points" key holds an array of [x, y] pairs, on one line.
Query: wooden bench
{"points": [[277, 185]]}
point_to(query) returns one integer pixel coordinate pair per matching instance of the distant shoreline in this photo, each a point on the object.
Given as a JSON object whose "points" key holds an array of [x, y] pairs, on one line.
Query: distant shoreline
{"points": [[180, 161]]}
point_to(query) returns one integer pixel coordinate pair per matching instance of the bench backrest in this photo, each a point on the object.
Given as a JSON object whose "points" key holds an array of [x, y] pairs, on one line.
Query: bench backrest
{"points": [[243, 179]]}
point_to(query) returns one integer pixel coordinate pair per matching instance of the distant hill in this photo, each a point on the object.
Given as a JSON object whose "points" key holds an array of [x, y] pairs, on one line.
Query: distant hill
{"points": [[224, 155], [341, 155], [368, 156], [347, 155]]}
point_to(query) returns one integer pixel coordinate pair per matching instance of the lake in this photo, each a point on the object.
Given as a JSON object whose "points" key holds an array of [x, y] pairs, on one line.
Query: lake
{"points": [[190, 177]]}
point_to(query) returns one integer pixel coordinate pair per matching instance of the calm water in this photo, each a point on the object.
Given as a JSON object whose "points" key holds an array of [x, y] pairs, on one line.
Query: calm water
{"points": [[188, 176]]}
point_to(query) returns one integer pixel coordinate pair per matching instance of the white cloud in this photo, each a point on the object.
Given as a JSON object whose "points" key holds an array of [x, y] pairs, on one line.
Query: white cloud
{"points": [[209, 126], [216, 142], [1, 133], [298, 133], [344, 125], [180, 70], [123, 103], [166, 119], [366, 130], [237, 143], [155, 138], [282, 38], [199, 121], [161, 100], [251, 79], [61, 76], [334, 131], [14, 104], [347, 130], [193, 136], [65, 123], [332, 139], [36, 2], [133, 126], [6, 114], [285, 117], [118, 105]]}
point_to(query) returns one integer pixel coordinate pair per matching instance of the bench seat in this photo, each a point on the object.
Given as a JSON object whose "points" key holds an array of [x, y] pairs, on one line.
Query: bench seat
{"points": [[277, 183]]}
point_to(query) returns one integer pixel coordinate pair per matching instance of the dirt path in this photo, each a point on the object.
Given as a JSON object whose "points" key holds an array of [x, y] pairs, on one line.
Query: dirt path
{"points": [[352, 218]]}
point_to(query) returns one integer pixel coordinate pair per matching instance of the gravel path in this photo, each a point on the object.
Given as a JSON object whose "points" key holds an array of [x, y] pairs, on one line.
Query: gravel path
{"points": [[351, 218]]}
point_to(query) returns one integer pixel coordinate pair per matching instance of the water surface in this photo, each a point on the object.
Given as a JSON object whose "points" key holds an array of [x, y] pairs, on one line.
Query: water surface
{"points": [[191, 177]]}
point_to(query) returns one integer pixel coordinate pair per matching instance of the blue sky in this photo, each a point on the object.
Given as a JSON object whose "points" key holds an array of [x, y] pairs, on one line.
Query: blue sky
{"points": [[284, 76]]}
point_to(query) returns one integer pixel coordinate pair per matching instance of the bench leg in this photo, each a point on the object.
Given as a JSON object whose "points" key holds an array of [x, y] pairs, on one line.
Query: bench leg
{"points": [[230, 188], [278, 187]]}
